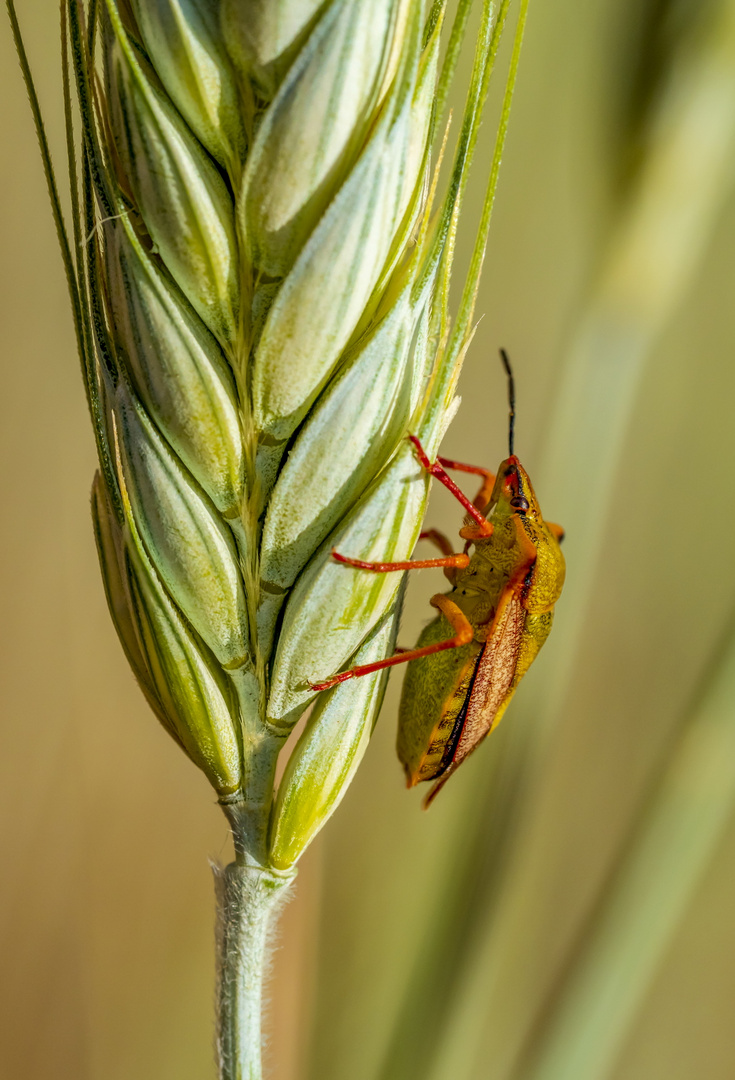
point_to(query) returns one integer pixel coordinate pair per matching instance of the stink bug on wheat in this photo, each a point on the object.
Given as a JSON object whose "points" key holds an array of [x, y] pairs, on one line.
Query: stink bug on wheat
{"points": [[491, 625]]}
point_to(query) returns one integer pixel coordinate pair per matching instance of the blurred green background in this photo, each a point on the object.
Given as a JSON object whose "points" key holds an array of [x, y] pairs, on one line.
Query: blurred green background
{"points": [[564, 912]]}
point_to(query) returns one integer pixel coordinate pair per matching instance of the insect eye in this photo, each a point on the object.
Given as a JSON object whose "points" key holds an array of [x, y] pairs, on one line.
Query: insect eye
{"points": [[519, 503]]}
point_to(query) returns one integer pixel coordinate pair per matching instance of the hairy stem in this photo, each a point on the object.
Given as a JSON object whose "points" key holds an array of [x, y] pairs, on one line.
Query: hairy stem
{"points": [[248, 897]]}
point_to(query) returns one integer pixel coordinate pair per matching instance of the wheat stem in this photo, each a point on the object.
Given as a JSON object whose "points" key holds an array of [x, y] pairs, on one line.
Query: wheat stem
{"points": [[248, 898]]}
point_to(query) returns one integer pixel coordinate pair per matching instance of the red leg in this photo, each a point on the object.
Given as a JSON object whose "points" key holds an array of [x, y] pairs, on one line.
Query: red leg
{"points": [[444, 546], [458, 561], [460, 466], [483, 496], [438, 538], [472, 533], [463, 635], [437, 471]]}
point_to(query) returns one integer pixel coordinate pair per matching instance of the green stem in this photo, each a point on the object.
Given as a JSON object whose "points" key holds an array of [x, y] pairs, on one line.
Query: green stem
{"points": [[248, 898]]}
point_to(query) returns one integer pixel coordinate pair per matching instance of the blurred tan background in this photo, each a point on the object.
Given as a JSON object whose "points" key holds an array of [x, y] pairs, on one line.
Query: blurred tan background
{"points": [[625, 402]]}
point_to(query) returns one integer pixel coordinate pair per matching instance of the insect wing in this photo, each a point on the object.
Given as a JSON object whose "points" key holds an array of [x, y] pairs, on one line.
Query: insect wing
{"points": [[493, 684], [434, 694]]}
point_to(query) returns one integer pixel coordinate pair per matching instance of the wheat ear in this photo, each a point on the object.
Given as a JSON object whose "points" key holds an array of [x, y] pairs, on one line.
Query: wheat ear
{"points": [[259, 267]]}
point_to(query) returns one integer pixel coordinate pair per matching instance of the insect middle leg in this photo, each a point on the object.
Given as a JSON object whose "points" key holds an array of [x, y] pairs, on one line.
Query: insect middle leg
{"points": [[463, 635], [439, 540], [460, 562], [446, 548], [451, 562]]}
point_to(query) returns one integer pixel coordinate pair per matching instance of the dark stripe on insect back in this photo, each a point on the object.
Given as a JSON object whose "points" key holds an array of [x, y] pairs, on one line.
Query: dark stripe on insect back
{"points": [[528, 580], [453, 740]]}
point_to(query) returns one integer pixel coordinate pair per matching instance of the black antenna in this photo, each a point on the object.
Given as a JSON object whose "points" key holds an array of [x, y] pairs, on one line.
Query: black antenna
{"points": [[511, 400]]}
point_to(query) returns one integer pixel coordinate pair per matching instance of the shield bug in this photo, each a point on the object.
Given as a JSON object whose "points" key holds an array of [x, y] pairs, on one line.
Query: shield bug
{"points": [[491, 625]]}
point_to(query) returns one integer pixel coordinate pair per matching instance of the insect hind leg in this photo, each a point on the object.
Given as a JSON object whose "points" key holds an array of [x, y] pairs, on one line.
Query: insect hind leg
{"points": [[463, 635]]}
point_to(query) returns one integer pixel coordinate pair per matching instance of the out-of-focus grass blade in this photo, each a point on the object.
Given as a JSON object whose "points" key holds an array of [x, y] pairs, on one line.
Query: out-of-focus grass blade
{"points": [[643, 907], [656, 249]]}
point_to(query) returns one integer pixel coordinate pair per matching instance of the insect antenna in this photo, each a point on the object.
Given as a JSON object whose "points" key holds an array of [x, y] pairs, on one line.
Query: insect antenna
{"points": [[511, 400]]}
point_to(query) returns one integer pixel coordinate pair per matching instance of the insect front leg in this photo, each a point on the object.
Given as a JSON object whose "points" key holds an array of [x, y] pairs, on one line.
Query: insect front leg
{"points": [[463, 635], [436, 469], [483, 495]]}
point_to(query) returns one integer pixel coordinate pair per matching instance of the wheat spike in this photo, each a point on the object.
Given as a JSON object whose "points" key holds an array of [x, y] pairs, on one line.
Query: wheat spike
{"points": [[262, 266], [259, 268]]}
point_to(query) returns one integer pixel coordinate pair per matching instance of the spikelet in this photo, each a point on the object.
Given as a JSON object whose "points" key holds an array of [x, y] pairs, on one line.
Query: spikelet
{"points": [[259, 268]]}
